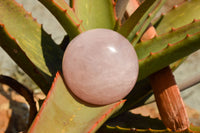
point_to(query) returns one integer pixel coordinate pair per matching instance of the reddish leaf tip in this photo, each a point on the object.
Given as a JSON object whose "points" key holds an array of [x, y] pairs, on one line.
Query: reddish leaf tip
{"points": [[65, 10], [78, 25], [162, 14], [150, 14], [169, 45], [194, 20], [151, 53], [156, 35], [2, 26], [173, 29], [188, 35], [114, 3], [175, 6], [137, 33]]}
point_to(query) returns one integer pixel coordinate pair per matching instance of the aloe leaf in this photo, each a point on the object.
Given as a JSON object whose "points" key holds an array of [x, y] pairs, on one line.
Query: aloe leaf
{"points": [[129, 122], [63, 112], [11, 46], [142, 91], [65, 15], [118, 129], [136, 123], [146, 23], [95, 13], [171, 53], [140, 19], [159, 42], [28, 44], [179, 16]]}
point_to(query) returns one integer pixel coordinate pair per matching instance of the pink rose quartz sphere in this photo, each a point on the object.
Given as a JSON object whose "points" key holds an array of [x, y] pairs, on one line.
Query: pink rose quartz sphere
{"points": [[100, 66]]}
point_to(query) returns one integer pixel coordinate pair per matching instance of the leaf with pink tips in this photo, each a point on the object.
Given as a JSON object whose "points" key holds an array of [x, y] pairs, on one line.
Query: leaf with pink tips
{"points": [[151, 48], [135, 26], [36, 50], [168, 55], [20, 57], [136, 123], [181, 15], [63, 112], [118, 129], [95, 13], [65, 15], [159, 42], [129, 122]]}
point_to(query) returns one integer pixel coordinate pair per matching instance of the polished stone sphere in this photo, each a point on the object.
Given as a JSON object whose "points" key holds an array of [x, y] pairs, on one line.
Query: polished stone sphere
{"points": [[100, 66]]}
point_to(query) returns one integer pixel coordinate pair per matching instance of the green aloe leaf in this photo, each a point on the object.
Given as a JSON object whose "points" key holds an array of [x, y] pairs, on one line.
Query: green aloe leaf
{"points": [[179, 16], [159, 42], [63, 112], [142, 91], [129, 122], [171, 53], [146, 23], [118, 129], [28, 44], [134, 27], [95, 13], [65, 15], [136, 123]]}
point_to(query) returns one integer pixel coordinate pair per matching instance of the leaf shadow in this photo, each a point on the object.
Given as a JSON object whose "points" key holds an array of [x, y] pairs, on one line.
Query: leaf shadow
{"points": [[52, 53], [130, 120]]}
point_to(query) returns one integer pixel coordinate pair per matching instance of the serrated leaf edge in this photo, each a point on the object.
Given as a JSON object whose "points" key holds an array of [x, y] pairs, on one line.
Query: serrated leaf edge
{"points": [[15, 51], [105, 115]]}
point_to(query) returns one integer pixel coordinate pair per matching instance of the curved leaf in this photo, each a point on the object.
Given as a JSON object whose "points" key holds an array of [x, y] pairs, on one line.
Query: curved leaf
{"points": [[159, 42], [63, 112], [171, 53], [142, 90], [179, 16], [129, 122], [38, 55], [140, 20], [118, 129], [65, 15]]}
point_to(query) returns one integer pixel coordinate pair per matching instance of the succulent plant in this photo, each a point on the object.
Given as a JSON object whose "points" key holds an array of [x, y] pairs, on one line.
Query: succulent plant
{"points": [[161, 45]]}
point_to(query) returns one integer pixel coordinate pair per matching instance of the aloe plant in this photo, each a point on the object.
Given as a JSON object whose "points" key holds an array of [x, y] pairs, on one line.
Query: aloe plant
{"points": [[27, 43]]}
